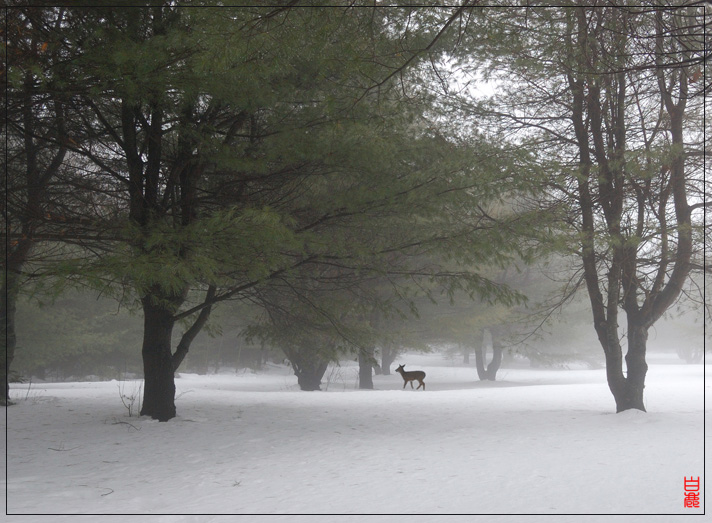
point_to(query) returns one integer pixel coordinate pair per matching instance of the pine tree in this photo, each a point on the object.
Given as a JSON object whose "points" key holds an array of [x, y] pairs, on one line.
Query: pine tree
{"points": [[235, 153]]}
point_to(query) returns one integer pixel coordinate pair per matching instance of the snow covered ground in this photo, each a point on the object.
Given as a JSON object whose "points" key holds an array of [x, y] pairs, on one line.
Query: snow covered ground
{"points": [[537, 442]]}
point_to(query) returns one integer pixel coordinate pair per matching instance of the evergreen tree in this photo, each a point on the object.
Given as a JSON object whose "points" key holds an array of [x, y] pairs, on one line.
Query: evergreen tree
{"points": [[37, 204], [239, 152]]}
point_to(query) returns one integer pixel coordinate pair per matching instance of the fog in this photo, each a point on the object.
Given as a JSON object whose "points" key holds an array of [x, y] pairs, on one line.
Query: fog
{"points": [[81, 336]]}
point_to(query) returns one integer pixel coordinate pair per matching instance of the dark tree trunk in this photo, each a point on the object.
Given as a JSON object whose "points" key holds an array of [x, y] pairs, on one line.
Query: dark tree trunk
{"points": [[8, 305], [309, 376], [9, 338], [365, 369], [628, 390], [189, 335], [159, 384], [308, 367]]}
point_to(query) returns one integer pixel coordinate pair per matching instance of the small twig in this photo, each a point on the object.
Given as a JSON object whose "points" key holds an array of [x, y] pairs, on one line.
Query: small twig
{"points": [[63, 449], [29, 386], [111, 491], [183, 393], [126, 423], [129, 401]]}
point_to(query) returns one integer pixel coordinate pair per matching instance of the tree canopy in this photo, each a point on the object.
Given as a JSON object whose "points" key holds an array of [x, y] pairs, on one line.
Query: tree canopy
{"points": [[250, 152], [331, 164]]}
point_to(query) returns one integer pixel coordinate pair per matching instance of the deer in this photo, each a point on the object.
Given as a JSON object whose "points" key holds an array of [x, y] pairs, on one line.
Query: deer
{"points": [[410, 376]]}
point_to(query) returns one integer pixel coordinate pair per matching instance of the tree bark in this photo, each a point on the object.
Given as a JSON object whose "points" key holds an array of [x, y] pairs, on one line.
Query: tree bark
{"points": [[9, 337], [10, 289], [309, 376], [189, 335], [637, 369], [159, 384], [308, 367], [628, 390]]}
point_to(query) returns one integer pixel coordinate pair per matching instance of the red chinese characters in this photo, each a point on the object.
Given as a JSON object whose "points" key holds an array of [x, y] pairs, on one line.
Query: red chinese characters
{"points": [[692, 492]]}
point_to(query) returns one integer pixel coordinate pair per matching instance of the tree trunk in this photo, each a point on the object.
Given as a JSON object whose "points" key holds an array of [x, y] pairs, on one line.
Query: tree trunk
{"points": [[9, 338], [496, 362], [365, 369], [8, 305], [308, 367], [159, 377], [480, 362], [388, 356], [488, 372], [377, 370], [628, 390], [189, 335], [309, 376]]}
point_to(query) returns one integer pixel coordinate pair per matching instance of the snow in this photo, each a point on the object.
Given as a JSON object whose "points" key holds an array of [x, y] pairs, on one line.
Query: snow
{"points": [[537, 442]]}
